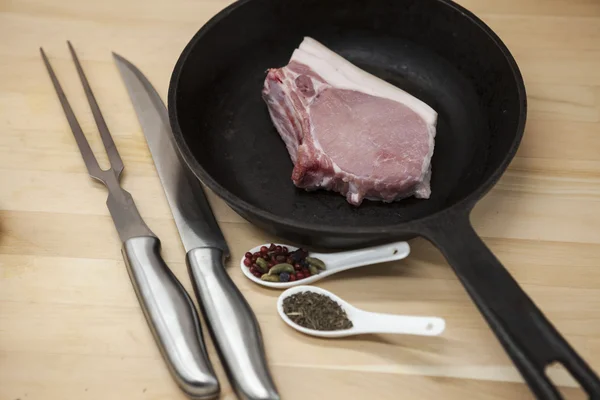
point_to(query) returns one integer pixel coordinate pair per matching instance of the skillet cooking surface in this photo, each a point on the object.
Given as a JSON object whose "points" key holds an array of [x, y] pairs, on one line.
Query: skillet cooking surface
{"points": [[226, 125]]}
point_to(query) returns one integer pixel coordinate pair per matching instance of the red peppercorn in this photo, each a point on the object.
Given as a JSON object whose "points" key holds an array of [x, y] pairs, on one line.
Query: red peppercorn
{"points": [[248, 255], [297, 267], [264, 250], [278, 249], [292, 277], [247, 262], [306, 272], [299, 275], [254, 258], [253, 269], [272, 263], [257, 274], [272, 247]]}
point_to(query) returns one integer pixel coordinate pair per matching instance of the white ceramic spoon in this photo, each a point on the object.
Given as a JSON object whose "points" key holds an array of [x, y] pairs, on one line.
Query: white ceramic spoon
{"points": [[364, 321], [336, 262]]}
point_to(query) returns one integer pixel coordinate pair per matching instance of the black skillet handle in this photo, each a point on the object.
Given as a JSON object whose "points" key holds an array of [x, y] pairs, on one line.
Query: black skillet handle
{"points": [[526, 334]]}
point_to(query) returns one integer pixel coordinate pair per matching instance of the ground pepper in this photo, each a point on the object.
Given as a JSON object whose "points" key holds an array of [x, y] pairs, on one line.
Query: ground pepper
{"points": [[316, 311]]}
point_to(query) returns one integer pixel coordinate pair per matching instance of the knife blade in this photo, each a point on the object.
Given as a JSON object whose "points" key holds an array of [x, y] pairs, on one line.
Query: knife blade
{"points": [[232, 324]]}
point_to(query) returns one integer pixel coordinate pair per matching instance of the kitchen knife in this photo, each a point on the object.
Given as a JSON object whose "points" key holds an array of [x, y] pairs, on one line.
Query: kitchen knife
{"points": [[232, 324]]}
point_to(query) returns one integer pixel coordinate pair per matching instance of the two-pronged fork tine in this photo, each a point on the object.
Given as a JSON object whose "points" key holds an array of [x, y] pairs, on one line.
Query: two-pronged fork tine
{"points": [[113, 155], [167, 307], [84, 147], [86, 152]]}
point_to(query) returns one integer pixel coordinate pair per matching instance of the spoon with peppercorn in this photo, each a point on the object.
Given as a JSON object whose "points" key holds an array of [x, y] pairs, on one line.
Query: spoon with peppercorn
{"points": [[280, 267], [318, 312]]}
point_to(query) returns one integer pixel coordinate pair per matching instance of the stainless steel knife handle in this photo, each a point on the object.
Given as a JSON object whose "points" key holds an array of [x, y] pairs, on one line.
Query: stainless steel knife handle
{"points": [[232, 324], [172, 317]]}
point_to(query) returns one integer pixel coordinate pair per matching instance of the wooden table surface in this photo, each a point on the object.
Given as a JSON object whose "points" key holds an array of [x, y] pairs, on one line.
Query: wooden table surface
{"points": [[70, 324]]}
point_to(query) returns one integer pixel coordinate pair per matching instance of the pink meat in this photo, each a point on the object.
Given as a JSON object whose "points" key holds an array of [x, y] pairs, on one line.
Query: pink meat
{"points": [[348, 131]]}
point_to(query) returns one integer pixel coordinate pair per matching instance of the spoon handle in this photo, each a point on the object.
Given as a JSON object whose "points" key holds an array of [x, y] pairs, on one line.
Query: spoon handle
{"points": [[403, 324], [365, 256]]}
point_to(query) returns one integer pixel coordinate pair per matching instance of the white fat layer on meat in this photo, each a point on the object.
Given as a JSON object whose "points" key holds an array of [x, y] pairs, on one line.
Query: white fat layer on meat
{"points": [[423, 190], [340, 73], [353, 192]]}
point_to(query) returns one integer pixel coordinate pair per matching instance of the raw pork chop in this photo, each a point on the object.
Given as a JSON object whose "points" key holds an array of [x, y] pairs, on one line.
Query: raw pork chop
{"points": [[349, 131]]}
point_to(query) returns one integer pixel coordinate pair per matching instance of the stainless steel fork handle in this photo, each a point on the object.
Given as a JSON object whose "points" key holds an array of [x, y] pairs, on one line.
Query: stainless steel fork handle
{"points": [[232, 324], [172, 317]]}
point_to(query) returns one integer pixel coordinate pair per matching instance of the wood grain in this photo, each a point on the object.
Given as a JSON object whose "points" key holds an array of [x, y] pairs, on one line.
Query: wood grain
{"points": [[70, 325]]}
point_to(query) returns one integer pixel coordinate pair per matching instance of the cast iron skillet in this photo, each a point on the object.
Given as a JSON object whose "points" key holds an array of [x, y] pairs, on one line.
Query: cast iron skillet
{"points": [[434, 49]]}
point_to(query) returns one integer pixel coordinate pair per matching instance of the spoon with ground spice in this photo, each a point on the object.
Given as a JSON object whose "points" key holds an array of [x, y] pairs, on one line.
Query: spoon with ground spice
{"points": [[280, 266], [318, 312]]}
